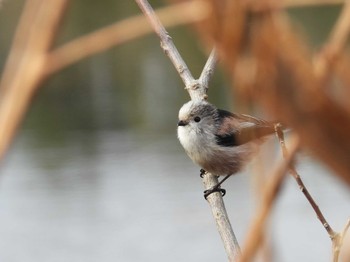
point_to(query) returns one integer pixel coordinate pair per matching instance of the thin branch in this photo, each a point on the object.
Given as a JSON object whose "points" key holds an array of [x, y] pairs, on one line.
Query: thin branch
{"points": [[223, 224], [166, 42], [121, 32], [197, 90], [337, 241], [270, 192], [312, 202], [194, 88], [337, 238], [208, 70], [302, 187]]}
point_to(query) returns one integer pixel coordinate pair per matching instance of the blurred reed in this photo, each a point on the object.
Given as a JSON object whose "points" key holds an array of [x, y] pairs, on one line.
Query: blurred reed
{"points": [[273, 68]]}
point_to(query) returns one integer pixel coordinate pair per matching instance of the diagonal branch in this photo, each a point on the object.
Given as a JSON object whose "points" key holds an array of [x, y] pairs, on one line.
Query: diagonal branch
{"points": [[302, 186], [223, 224], [336, 238], [166, 42], [194, 88], [197, 90], [208, 70], [337, 241], [270, 192]]}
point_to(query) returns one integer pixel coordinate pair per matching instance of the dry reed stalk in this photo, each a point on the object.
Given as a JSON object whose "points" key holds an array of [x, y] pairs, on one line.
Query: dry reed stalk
{"points": [[121, 32], [25, 66], [259, 6], [272, 66], [340, 90], [31, 59]]}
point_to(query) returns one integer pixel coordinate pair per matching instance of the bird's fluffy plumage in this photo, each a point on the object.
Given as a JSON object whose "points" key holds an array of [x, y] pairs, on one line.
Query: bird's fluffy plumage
{"points": [[217, 140]]}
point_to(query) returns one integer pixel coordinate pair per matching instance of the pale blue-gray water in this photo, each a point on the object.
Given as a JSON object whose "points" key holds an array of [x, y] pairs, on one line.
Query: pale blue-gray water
{"points": [[126, 197]]}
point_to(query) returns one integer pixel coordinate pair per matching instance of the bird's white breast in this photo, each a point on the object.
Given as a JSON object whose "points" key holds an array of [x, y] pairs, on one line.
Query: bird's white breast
{"points": [[188, 139], [203, 150], [198, 145]]}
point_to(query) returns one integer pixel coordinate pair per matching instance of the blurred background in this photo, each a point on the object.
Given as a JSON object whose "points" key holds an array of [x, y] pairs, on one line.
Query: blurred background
{"points": [[97, 174]]}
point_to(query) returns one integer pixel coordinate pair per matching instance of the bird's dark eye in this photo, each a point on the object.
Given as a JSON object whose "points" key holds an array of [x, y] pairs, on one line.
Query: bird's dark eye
{"points": [[197, 119]]}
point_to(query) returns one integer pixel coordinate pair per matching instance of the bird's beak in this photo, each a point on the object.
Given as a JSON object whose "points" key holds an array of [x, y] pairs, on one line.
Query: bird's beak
{"points": [[182, 123]]}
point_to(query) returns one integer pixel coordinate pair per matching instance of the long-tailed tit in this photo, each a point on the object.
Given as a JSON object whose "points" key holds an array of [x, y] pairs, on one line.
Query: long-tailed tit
{"points": [[219, 141]]}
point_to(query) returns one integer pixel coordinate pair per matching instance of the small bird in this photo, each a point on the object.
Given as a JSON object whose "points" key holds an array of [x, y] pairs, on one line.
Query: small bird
{"points": [[219, 141]]}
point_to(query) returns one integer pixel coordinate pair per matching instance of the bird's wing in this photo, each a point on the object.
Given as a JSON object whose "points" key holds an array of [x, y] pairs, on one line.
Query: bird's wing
{"points": [[237, 129]]}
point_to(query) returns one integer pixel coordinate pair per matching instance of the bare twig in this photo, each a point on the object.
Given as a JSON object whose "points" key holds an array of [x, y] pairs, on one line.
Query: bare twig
{"points": [[337, 238], [301, 185], [223, 224], [194, 88], [208, 70], [337, 241], [312, 202], [166, 42], [197, 90], [270, 192]]}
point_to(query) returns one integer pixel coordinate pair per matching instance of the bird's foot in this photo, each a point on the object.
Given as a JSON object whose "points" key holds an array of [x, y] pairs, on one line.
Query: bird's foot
{"points": [[214, 189], [202, 173]]}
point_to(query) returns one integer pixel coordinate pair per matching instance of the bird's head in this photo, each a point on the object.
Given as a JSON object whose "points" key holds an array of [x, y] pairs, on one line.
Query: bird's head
{"points": [[198, 116]]}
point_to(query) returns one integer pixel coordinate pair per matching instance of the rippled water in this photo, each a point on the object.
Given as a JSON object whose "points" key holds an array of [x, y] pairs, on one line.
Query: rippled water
{"points": [[122, 197]]}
